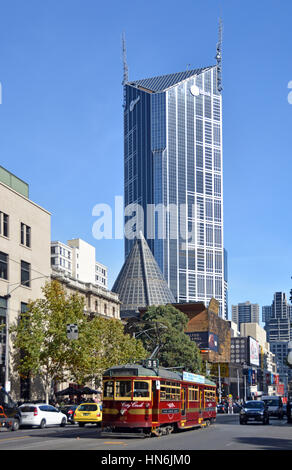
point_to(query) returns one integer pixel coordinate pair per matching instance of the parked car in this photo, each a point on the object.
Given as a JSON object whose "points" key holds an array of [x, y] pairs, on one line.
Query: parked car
{"points": [[69, 410], [42, 415], [88, 413], [254, 410], [10, 416], [275, 406]]}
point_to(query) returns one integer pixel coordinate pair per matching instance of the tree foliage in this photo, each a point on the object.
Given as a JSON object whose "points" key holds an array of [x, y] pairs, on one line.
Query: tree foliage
{"points": [[43, 350], [176, 348]]}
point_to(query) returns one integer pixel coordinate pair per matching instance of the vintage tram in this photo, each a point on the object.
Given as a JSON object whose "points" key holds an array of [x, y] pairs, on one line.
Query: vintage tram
{"points": [[147, 401]]}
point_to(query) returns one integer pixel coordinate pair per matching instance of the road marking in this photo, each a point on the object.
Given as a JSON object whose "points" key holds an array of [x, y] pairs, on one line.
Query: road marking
{"points": [[13, 438], [115, 442]]}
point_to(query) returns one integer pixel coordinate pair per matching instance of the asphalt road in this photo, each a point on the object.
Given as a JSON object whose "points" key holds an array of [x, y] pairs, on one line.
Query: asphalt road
{"points": [[226, 434]]}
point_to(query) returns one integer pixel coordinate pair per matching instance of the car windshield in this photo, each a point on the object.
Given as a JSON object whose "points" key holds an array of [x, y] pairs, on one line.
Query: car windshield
{"points": [[272, 402], [254, 404]]}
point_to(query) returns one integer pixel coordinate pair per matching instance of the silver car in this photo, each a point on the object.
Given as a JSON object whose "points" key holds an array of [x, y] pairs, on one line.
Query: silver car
{"points": [[41, 415]]}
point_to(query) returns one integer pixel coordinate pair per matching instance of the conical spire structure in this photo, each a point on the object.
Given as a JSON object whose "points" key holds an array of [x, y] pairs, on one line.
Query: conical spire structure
{"points": [[140, 282]]}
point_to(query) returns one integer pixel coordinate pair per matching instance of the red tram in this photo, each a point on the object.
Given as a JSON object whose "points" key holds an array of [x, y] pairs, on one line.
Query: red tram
{"points": [[143, 401]]}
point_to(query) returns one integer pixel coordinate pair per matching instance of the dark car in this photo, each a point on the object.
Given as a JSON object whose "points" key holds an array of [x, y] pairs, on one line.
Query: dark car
{"points": [[10, 415], [236, 408], [254, 410], [220, 408], [69, 410]]}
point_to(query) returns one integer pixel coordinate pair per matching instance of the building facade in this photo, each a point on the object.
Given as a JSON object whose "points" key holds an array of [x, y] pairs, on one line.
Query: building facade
{"points": [[245, 313], [25, 232], [97, 300], [279, 333], [173, 174], [77, 259]]}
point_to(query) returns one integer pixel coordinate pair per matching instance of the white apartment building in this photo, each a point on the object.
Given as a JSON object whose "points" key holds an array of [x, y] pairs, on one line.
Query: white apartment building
{"points": [[77, 259], [25, 233]]}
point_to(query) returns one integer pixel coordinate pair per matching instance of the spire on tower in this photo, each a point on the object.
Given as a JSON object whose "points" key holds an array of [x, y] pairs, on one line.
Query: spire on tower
{"points": [[125, 65], [218, 56]]}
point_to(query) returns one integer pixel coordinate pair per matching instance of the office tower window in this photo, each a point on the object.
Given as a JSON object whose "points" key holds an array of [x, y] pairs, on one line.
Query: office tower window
{"points": [[25, 274], [25, 235], [3, 265], [4, 224]]}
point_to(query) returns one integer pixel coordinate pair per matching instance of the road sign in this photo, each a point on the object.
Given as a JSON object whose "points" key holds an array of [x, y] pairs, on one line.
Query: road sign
{"points": [[72, 331]]}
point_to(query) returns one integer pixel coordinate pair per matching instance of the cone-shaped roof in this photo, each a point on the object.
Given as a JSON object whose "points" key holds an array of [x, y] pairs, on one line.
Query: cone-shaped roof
{"points": [[140, 282]]}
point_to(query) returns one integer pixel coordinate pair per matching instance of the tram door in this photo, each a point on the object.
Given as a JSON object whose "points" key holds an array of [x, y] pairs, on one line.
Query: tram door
{"points": [[155, 400], [183, 401]]}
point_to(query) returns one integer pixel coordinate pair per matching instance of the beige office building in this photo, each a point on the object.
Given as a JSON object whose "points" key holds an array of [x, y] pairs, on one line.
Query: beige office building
{"points": [[25, 233]]}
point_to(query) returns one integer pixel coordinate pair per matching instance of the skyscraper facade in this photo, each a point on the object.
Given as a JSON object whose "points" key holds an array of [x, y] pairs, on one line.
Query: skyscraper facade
{"points": [[173, 175], [245, 312], [278, 319], [279, 333]]}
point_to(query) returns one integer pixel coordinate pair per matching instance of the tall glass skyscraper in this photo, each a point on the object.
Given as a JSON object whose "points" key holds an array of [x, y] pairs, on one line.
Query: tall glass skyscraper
{"points": [[173, 171]]}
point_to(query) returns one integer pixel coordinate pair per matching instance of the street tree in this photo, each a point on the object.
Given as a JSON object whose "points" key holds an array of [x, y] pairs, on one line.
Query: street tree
{"points": [[42, 348], [164, 327]]}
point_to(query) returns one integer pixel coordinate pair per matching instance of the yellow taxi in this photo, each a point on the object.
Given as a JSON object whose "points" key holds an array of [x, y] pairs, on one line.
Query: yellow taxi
{"points": [[88, 413]]}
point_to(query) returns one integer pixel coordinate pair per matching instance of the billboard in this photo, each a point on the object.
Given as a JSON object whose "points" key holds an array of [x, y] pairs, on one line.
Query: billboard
{"points": [[254, 352], [204, 339]]}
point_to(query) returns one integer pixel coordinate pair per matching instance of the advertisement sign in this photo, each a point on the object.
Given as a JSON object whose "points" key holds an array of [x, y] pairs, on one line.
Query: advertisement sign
{"points": [[190, 377], [254, 352], [213, 342], [204, 339]]}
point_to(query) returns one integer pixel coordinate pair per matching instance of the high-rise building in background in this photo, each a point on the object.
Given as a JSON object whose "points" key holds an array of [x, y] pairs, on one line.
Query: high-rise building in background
{"points": [[279, 332], [277, 319], [173, 170], [245, 312]]}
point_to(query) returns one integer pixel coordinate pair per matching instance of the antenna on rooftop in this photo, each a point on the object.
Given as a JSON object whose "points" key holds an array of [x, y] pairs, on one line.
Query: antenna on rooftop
{"points": [[218, 56], [125, 65]]}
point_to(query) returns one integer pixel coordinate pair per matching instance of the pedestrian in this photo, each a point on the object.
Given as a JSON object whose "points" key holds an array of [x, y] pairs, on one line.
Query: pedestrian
{"points": [[289, 408]]}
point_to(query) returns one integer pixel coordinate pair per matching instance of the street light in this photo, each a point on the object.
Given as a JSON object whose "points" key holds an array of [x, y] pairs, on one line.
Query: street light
{"points": [[7, 298]]}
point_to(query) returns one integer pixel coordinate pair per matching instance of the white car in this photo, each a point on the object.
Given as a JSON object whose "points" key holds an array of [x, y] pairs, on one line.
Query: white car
{"points": [[42, 415]]}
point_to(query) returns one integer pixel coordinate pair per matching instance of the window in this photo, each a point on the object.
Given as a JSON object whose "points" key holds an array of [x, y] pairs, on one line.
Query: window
{"points": [[141, 389], [193, 394], [4, 224], [123, 389], [3, 265], [108, 389], [25, 274], [169, 391], [25, 235]]}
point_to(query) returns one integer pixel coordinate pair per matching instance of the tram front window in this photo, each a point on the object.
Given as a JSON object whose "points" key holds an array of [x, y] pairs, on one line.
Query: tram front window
{"points": [[108, 389], [141, 389], [123, 389]]}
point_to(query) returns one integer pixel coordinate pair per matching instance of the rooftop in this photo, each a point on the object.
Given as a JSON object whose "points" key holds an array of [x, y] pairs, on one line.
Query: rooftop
{"points": [[161, 83]]}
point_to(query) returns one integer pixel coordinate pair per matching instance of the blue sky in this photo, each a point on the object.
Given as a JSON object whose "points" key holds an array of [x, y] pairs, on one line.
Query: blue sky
{"points": [[61, 126]]}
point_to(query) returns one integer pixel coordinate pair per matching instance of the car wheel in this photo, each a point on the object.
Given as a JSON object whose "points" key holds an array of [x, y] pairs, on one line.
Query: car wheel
{"points": [[15, 425], [63, 423], [43, 424]]}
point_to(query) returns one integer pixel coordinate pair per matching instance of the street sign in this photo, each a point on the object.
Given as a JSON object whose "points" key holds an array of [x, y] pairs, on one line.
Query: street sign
{"points": [[72, 331]]}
